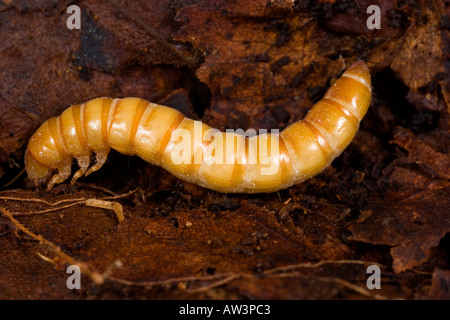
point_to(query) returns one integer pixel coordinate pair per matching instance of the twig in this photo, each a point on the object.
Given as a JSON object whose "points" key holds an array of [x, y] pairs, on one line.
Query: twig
{"points": [[14, 179], [340, 281], [316, 265], [40, 200], [90, 202], [215, 284], [95, 276]]}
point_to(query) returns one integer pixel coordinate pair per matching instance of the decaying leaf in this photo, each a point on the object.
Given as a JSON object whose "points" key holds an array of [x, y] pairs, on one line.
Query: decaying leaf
{"points": [[256, 57], [419, 58]]}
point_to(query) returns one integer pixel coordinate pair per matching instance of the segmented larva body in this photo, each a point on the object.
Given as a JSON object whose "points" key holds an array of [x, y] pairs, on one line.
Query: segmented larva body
{"points": [[135, 126]]}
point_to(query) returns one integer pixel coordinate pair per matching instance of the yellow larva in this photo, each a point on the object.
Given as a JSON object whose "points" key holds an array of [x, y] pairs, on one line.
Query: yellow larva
{"points": [[135, 126]]}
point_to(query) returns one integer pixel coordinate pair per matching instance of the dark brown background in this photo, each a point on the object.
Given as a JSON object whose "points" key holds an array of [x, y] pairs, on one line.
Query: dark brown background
{"points": [[233, 64]]}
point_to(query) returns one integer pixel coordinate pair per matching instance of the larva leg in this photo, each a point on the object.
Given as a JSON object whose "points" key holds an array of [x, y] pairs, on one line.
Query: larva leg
{"points": [[83, 162], [64, 171], [100, 158]]}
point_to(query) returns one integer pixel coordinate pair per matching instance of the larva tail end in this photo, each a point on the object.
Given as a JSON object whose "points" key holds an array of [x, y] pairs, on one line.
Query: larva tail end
{"points": [[36, 172], [359, 71], [352, 90]]}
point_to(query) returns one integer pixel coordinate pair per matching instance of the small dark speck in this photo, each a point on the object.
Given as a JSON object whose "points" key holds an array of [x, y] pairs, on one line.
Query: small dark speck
{"points": [[264, 57], [79, 245], [175, 222], [279, 64], [85, 74], [235, 79]]}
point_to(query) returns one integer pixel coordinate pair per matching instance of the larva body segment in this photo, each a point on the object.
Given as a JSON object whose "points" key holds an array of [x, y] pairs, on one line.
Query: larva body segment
{"points": [[225, 162]]}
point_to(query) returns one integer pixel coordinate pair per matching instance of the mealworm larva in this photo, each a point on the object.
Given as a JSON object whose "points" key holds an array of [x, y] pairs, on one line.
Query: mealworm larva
{"points": [[135, 126]]}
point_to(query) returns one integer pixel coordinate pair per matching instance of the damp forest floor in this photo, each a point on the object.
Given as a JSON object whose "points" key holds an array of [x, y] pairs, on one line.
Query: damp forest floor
{"points": [[232, 64]]}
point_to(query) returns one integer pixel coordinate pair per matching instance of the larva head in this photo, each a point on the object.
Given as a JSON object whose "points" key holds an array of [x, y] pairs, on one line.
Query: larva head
{"points": [[42, 155], [36, 172]]}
